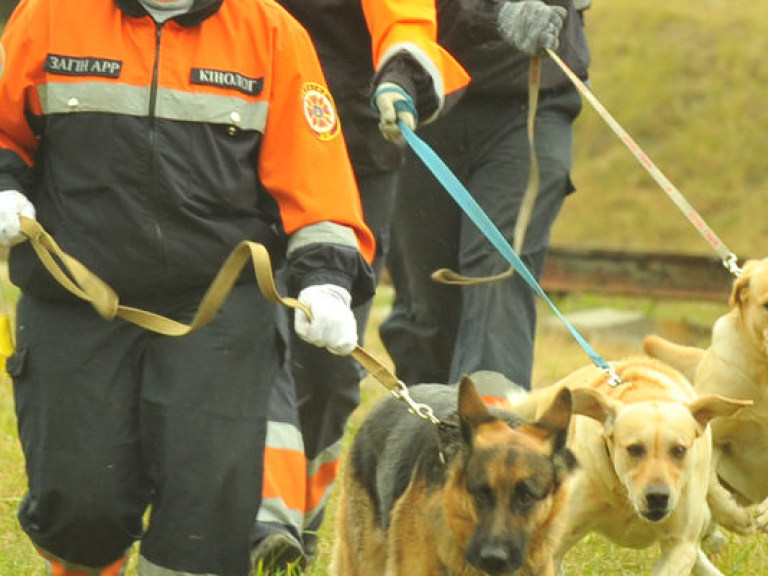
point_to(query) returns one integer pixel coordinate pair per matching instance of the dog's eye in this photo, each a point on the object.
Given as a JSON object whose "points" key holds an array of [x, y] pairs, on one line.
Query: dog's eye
{"points": [[524, 496], [483, 497], [678, 452], [636, 450]]}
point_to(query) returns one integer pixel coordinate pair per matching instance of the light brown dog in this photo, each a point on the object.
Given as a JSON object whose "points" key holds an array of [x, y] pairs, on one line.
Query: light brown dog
{"points": [[481, 494], [644, 453], [736, 365]]}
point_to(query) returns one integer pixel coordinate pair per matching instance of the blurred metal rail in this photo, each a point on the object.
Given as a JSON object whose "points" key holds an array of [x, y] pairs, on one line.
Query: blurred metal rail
{"points": [[645, 274]]}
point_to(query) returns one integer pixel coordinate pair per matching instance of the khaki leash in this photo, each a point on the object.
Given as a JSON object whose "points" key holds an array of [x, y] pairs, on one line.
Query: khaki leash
{"points": [[85, 285], [727, 257]]}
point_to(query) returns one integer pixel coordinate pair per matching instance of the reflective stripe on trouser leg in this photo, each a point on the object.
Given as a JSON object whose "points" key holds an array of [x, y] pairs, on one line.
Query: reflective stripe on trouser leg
{"points": [[283, 497], [284, 475], [321, 476]]}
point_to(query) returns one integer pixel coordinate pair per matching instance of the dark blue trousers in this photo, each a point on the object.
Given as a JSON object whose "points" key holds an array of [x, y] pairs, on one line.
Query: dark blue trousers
{"points": [[436, 333]]}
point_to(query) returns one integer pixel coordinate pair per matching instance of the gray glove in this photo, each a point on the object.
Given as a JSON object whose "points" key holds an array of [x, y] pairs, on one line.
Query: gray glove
{"points": [[393, 104], [530, 25]]}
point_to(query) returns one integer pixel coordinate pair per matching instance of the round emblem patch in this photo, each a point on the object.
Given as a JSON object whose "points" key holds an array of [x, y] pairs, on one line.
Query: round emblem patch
{"points": [[320, 111]]}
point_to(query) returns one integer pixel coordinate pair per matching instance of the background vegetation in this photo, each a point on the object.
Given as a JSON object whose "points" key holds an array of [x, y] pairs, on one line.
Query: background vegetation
{"points": [[6, 7], [687, 79]]}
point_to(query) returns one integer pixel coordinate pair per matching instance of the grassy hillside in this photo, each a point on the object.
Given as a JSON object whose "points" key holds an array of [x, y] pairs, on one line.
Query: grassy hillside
{"points": [[687, 79]]}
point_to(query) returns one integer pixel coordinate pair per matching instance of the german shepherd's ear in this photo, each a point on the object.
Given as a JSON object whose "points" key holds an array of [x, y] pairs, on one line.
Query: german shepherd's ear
{"points": [[552, 430], [472, 409], [553, 424]]}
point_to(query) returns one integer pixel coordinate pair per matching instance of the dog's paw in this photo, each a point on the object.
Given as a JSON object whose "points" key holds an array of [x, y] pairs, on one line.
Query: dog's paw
{"points": [[742, 523], [715, 541], [761, 516], [738, 520]]}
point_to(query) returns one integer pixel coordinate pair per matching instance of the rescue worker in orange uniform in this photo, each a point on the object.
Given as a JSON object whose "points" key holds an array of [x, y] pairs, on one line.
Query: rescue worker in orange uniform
{"points": [[149, 138], [373, 53]]}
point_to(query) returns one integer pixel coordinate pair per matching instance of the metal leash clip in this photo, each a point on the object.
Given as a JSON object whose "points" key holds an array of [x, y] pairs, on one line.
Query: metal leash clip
{"points": [[613, 378], [423, 411], [732, 265]]}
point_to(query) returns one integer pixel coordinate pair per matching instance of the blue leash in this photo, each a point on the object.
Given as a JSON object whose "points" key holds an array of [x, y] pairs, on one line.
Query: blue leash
{"points": [[473, 210]]}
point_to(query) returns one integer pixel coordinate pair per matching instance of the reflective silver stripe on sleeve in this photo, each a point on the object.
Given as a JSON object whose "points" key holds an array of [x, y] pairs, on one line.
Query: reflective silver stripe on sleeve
{"points": [[65, 98], [426, 62], [325, 232]]}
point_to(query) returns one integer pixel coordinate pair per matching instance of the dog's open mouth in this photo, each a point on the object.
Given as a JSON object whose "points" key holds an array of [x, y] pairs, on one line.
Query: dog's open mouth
{"points": [[655, 515]]}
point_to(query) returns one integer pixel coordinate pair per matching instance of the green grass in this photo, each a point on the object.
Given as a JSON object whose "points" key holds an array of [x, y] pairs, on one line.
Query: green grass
{"points": [[687, 80]]}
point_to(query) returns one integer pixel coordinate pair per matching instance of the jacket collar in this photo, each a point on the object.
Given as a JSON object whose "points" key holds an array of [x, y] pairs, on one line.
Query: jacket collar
{"points": [[201, 9]]}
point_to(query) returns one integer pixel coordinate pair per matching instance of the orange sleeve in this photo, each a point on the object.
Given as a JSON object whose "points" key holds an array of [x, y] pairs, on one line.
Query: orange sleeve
{"points": [[304, 162], [412, 24], [17, 84]]}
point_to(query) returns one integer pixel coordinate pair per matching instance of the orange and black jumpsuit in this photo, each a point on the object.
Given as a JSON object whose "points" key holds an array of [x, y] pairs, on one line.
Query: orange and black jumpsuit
{"points": [[149, 152], [361, 43]]}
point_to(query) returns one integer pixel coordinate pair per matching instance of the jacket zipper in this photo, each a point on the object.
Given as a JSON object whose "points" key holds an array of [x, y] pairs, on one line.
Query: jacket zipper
{"points": [[153, 181]]}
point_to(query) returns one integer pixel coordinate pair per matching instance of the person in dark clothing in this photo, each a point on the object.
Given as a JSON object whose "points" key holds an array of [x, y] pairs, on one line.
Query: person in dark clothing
{"points": [[150, 138], [436, 332], [372, 51]]}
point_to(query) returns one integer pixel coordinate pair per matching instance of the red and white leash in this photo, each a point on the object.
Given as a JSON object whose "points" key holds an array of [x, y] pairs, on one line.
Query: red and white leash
{"points": [[729, 259]]}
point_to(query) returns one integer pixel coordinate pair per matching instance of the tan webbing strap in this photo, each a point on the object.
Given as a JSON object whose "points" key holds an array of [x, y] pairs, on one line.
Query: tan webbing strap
{"points": [[729, 259], [534, 176], [377, 369], [448, 276], [82, 283]]}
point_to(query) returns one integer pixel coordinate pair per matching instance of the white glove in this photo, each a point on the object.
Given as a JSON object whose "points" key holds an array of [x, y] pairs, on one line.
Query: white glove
{"points": [[531, 26], [12, 205], [333, 326], [385, 97], [582, 4]]}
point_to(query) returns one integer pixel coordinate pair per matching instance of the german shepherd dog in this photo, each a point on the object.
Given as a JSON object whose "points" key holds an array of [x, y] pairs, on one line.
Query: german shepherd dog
{"points": [[481, 493]]}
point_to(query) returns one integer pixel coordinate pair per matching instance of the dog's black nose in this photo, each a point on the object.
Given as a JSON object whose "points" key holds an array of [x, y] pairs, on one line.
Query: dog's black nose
{"points": [[495, 558], [657, 501]]}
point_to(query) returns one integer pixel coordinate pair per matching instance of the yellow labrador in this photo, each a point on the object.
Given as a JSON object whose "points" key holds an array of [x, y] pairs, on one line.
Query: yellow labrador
{"points": [[736, 365], [644, 451]]}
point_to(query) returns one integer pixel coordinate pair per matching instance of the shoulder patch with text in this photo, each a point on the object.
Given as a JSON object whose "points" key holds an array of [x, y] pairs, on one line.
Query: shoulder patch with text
{"points": [[224, 79], [82, 66], [319, 110]]}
